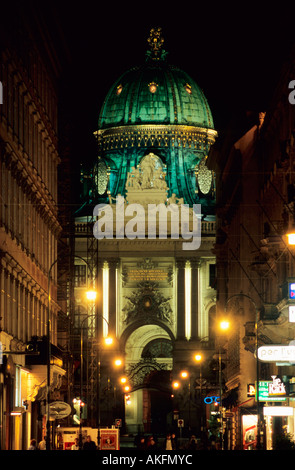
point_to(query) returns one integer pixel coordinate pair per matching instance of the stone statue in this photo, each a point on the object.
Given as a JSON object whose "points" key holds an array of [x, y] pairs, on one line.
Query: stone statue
{"points": [[147, 166], [159, 179]]}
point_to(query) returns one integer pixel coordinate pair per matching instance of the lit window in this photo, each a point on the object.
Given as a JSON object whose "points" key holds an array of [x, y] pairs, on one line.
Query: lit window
{"points": [[119, 89], [153, 87], [188, 88]]}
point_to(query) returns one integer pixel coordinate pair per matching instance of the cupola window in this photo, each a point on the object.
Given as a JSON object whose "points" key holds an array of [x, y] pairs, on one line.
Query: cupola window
{"points": [[119, 89], [188, 88], [153, 87]]}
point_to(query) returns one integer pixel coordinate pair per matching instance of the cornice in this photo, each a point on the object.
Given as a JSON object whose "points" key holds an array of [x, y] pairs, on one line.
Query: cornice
{"points": [[161, 135]]}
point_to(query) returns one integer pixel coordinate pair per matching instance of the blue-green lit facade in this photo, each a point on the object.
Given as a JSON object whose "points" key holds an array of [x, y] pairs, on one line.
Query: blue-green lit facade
{"points": [[158, 108]]}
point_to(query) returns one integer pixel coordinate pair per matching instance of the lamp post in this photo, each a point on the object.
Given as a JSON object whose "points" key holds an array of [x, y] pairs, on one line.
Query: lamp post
{"points": [[108, 341], [257, 361], [48, 442], [198, 358], [224, 326]]}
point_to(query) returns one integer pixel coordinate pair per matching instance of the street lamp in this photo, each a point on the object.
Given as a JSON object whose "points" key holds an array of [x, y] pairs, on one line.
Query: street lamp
{"points": [[91, 295], [48, 443], [108, 341], [224, 326], [257, 360]]}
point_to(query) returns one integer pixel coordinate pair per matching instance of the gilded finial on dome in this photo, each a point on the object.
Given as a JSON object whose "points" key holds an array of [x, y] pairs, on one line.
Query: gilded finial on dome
{"points": [[156, 41]]}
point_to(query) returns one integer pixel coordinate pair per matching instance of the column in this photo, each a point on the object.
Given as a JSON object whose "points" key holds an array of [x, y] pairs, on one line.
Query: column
{"points": [[113, 265], [180, 264], [195, 264], [99, 289]]}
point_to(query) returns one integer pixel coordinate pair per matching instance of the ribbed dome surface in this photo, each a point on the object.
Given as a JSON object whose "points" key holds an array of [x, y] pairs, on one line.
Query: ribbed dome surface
{"points": [[155, 93]]}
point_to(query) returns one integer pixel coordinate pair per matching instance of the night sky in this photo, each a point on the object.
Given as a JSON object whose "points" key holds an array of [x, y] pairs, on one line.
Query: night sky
{"points": [[234, 53], [233, 50]]}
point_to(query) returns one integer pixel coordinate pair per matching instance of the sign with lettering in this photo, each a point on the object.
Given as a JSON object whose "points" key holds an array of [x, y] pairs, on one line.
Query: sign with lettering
{"points": [[152, 274], [276, 387], [264, 392], [251, 390], [210, 400], [273, 353]]}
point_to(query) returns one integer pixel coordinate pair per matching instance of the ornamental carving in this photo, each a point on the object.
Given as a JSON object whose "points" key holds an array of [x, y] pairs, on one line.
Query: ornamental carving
{"points": [[138, 372], [147, 304], [149, 174]]}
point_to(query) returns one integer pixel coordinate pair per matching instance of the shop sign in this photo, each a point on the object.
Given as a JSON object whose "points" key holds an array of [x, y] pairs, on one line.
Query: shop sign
{"points": [[292, 313], [291, 290], [59, 410], [278, 353], [276, 387], [210, 400], [264, 392], [251, 390], [278, 410]]}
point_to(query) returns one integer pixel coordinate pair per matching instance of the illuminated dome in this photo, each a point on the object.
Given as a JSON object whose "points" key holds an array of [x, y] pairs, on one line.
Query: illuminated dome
{"points": [[158, 109], [157, 93]]}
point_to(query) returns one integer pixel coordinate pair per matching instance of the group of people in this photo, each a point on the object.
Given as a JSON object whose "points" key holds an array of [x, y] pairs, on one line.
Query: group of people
{"points": [[150, 443], [41, 445], [88, 444]]}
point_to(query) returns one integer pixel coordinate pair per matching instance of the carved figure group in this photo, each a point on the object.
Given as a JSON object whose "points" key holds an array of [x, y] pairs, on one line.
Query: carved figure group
{"points": [[146, 175]]}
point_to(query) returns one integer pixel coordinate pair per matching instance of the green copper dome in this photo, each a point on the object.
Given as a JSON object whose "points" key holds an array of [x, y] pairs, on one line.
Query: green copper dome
{"points": [[155, 93], [155, 110]]}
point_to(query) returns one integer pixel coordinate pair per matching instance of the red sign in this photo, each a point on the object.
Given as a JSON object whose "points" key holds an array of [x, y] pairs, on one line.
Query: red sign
{"points": [[109, 439]]}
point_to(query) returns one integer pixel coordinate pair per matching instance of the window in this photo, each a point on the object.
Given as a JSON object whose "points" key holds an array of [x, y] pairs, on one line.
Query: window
{"points": [[80, 275], [212, 276]]}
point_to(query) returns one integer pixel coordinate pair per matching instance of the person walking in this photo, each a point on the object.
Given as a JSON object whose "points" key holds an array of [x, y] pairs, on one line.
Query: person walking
{"points": [[168, 442], [42, 444], [76, 445], [33, 445], [89, 444]]}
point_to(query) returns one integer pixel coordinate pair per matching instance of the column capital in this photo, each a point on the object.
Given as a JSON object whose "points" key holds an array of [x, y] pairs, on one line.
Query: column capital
{"points": [[113, 262], [180, 263], [195, 263]]}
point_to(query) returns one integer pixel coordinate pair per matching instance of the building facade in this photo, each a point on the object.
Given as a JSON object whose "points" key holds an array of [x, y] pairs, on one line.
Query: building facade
{"points": [[29, 223], [156, 298], [255, 265]]}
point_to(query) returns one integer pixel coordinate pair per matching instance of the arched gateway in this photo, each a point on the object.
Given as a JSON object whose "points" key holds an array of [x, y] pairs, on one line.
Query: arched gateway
{"points": [[154, 133]]}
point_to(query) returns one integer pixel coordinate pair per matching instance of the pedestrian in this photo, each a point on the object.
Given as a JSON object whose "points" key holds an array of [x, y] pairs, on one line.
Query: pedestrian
{"points": [[76, 445], [33, 445], [89, 444], [42, 444], [192, 444], [141, 445], [151, 445], [174, 441], [168, 442]]}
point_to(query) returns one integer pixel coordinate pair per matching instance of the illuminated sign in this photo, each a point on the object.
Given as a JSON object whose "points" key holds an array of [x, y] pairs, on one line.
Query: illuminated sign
{"points": [[264, 392], [210, 400], [251, 390], [291, 290], [276, 353], [276, 387], [292, 313], [278, 410]]}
